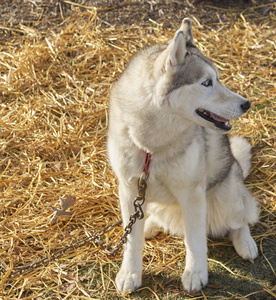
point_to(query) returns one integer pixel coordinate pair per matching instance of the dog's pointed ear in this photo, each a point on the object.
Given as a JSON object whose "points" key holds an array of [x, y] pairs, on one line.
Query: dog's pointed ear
{"points": [[178, 48], [186, 27]]}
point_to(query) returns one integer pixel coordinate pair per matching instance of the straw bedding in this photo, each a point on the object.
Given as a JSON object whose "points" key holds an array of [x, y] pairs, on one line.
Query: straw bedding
{"points": [[54, 118]]}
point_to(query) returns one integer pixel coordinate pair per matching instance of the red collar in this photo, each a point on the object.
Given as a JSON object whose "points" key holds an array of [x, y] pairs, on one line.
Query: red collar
{"points": [[147, 163]]}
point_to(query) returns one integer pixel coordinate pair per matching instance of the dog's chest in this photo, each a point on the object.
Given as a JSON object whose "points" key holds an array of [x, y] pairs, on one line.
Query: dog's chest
{"points": [[180, 171]]}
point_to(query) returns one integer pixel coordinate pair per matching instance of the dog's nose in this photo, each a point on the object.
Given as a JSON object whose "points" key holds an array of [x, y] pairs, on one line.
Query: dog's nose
{"points": [[245, 105]]}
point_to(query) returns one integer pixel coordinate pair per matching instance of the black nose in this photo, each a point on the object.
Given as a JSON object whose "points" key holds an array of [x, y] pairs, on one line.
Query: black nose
{"points": [[245, 105]]}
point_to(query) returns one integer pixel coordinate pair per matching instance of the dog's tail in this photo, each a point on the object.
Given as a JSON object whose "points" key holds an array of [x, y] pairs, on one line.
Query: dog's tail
{"points": [[241, 150]]}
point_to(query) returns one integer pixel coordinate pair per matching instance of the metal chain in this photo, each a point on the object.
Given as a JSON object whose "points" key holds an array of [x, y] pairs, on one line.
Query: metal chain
{"points": [[138, 214], [94, 237], [97, 236]]}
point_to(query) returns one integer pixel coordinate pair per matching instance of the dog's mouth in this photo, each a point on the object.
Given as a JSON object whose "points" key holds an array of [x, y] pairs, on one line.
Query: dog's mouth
{"points": [[219, 122]]}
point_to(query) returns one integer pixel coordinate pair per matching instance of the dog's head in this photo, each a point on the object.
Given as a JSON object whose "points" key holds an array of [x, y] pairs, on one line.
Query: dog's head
{"points": [[190, 84]]}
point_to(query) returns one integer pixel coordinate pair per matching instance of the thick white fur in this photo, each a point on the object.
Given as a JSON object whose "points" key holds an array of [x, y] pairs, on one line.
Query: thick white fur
{"points": [[195, 186], [241, 150]]}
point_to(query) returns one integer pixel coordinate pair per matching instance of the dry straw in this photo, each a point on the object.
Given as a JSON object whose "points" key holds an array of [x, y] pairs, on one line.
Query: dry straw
{"points": [[53, 122]]}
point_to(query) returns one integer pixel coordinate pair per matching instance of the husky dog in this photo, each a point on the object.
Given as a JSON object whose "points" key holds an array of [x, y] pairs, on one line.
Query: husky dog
{"points": [[170, 103]]}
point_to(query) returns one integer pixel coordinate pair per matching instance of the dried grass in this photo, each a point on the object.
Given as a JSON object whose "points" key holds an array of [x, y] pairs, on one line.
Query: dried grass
{"points": [[54, 102]]}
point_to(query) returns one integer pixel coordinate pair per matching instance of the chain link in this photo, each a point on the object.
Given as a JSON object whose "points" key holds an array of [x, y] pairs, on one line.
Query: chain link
{"points": [[97, 237], [138, 214]]}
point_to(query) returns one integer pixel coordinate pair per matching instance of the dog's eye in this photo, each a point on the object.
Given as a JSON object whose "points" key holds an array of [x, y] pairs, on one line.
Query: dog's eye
{"points": [[207, 82]]}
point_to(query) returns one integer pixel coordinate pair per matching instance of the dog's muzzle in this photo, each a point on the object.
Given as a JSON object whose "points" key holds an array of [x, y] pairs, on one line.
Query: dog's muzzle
{"points": [[218, 121], [245, 106]]}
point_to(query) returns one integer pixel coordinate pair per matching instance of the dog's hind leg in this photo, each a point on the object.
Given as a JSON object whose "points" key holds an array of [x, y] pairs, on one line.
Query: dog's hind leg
{"points": [[151, 227], [241, 238], [130, 274], [166, 217], [238, 209], [244, 243]]}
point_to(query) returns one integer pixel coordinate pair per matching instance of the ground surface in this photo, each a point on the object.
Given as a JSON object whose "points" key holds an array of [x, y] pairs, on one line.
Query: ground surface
{"points": [[45, 14], [51, 142]]}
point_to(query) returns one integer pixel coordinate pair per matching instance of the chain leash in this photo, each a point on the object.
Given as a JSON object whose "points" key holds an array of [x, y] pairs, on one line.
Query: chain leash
{"points": [[97, 237], [138, 213]]}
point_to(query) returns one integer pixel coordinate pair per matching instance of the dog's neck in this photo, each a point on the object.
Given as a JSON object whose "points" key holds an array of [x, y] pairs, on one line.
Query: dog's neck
{"points": [[146, 135]]}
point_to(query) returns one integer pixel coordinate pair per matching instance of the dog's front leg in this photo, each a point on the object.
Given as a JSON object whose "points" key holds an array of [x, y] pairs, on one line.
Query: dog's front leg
{"points": [[193, 204], [130, 274]]}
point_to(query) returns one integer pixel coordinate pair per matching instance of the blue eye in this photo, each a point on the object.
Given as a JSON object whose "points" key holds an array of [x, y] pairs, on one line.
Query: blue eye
{"points": [[208, 82]]}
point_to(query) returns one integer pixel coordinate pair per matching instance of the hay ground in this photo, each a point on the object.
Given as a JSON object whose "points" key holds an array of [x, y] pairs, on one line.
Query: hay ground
{"points": [[54, 116]]}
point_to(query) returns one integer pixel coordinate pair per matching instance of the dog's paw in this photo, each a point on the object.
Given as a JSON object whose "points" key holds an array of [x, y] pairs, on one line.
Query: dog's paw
{"points": [[127, 281], [194, 280], [246, 248], [150, 228], [244, 243]]}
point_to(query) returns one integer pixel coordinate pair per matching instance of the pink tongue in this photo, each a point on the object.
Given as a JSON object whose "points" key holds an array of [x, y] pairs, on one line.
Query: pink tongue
{"points": [[217, 118]]}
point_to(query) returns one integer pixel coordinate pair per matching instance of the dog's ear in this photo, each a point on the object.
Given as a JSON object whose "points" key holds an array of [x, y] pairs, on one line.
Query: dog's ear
{"points": [[186, 27], [178, 47]]}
